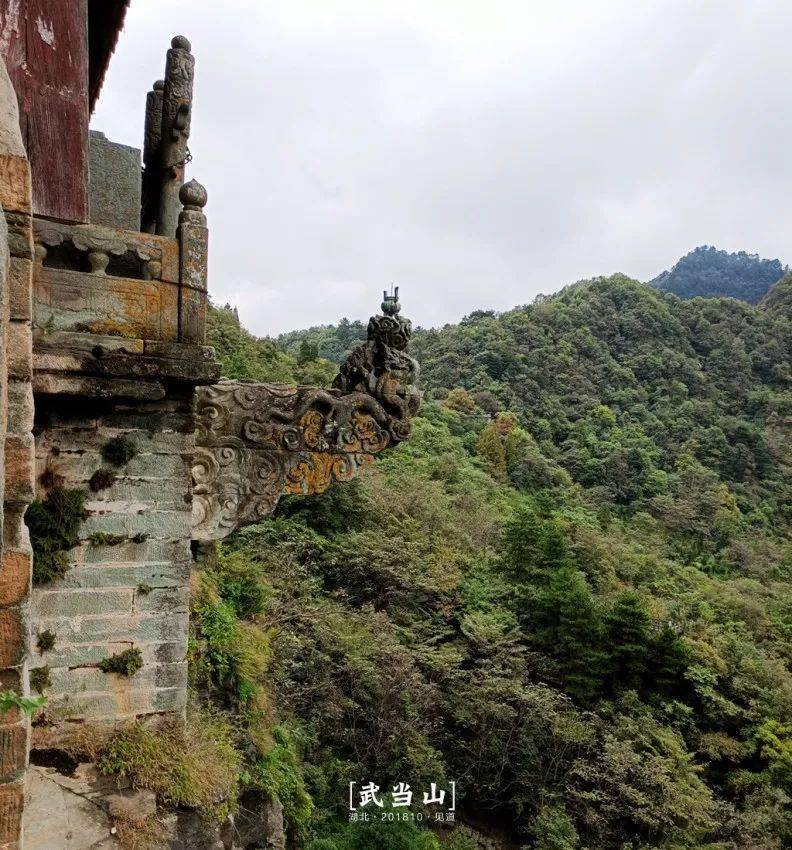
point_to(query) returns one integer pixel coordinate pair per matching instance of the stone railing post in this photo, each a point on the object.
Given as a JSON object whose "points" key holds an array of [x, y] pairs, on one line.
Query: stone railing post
{"points": [[193, 237]]}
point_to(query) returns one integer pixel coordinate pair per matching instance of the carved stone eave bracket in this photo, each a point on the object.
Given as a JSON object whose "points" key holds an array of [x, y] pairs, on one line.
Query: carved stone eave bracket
{"points": [[255, 442]]}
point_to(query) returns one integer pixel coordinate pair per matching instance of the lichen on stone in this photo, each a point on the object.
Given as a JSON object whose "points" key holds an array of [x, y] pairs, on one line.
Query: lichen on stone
{"points": [[54, 525], [125, 663]]}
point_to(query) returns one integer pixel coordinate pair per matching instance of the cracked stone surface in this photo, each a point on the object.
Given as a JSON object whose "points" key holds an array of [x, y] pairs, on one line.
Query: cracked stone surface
{"points": [[64, 812]]}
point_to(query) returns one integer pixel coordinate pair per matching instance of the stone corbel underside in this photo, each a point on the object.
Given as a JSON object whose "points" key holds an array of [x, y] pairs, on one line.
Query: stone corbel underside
{"points": [[256, 442]]}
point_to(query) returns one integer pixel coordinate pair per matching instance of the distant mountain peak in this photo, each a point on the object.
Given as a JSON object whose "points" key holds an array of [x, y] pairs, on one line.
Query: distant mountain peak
{"points": [[710, 272]]}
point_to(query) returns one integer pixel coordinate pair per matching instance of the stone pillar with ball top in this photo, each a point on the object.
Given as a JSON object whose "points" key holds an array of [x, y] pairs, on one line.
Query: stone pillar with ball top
{"points": [[193, 238]]}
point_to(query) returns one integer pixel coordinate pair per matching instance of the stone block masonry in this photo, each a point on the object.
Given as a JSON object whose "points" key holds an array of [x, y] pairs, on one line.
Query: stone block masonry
{"points": [[16, 453], [128, 582]]}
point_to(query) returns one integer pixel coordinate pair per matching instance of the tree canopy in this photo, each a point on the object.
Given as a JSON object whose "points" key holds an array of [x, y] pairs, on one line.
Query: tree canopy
{"points": [[569, 592], [711, 273]]}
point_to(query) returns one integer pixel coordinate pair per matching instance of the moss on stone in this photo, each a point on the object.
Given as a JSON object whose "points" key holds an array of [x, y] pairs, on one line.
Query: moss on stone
{"points": [[54, 525], [40, 679], [45, 641], [101, 480], [125, 663], [101, 538], [119, 451]]}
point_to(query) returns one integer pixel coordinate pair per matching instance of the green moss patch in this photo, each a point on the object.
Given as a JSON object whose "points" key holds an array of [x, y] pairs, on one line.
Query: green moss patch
{"points": [[54, 525], [119, 451], [125, 663]]}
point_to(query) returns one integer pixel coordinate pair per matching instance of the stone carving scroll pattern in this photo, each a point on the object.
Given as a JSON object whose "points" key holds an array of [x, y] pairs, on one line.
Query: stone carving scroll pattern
{"points": [[257, 441]]}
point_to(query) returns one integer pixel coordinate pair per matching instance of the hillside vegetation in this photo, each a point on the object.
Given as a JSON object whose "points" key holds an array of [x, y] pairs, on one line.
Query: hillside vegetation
{"points": [[569, 591], [711, 273]]}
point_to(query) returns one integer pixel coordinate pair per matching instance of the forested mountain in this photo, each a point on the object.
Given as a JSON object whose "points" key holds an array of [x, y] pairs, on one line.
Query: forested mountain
{"points": [[711, 273], [569, 591]]}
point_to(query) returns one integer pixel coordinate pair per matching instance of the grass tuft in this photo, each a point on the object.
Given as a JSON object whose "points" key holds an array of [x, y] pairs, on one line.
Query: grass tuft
{"points": [[194, 764], [100, 538]]}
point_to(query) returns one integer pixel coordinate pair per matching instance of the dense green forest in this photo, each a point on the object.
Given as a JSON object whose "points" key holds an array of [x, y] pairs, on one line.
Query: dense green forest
{"points": [[711, 273], [569, 592]]}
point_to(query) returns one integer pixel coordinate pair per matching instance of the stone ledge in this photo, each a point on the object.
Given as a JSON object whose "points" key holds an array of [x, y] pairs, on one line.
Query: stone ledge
{"points": [[121, 363], [45, 383]]}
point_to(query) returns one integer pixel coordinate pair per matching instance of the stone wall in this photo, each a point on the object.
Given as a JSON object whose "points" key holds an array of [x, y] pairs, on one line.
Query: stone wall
{"points": [[113, 183], [127, 586], [16, 452]]}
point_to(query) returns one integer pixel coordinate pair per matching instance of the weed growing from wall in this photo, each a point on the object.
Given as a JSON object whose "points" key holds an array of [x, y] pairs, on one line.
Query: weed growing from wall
{"points": [[100, 538], [46, 641], [119, 451], [125, 663], [40, 679], [27, 705], [54, 525], [101, 480]]}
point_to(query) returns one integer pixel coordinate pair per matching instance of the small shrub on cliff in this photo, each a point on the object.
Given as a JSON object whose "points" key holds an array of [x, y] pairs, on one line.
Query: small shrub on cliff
{"points": [[125, 663], [54, 525], [194, 765], [229, 652]]}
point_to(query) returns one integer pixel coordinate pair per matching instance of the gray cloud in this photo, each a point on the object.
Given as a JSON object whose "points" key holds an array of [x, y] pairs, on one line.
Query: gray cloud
{"points": [[475, 153]]}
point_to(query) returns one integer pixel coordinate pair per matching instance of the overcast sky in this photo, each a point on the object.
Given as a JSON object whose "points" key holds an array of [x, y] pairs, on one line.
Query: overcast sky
{"points": [[476, 153]]}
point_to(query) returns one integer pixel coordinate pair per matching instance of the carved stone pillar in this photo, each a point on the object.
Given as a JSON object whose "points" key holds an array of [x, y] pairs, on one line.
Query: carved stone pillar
{"points": [[176, 114]]}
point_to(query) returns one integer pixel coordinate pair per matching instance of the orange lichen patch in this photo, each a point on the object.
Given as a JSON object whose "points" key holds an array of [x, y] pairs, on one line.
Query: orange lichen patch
{"points": [[369, 436], [110, 327], [321, 469], [312, 424]]}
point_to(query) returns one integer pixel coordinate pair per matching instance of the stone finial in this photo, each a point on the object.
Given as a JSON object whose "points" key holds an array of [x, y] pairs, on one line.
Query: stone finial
{"points": [[181, 42], [390, 303], [193, 196]]}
